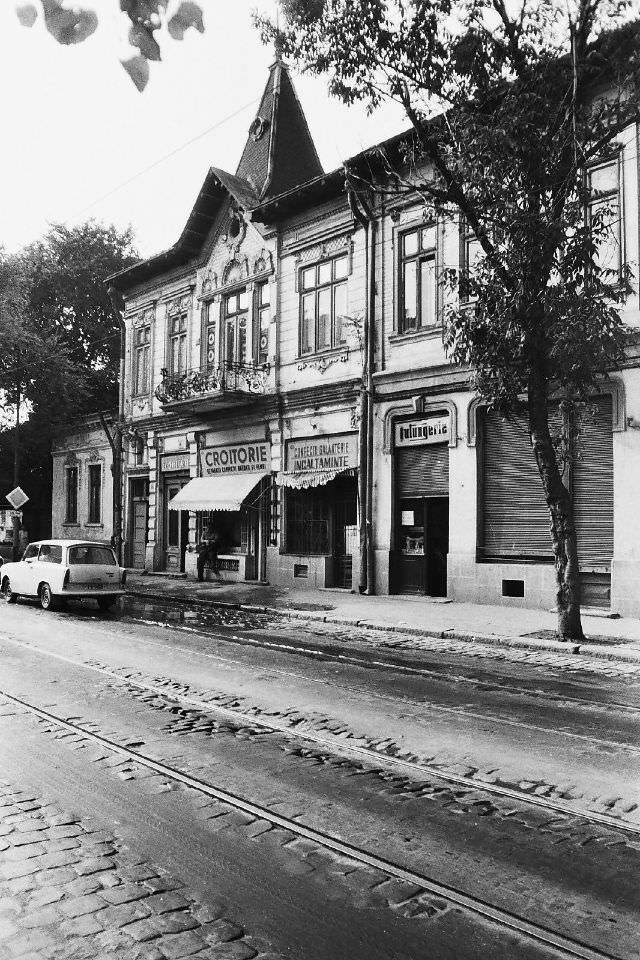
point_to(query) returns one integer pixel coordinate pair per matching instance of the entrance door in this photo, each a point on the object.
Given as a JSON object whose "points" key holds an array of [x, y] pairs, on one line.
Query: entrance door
{"points": [[176, 529], [423, 546], [139, 531], [345, 538]]}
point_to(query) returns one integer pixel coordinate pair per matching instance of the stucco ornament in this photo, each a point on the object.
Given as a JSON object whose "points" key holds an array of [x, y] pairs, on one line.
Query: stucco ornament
{"points": [[322, 364]]}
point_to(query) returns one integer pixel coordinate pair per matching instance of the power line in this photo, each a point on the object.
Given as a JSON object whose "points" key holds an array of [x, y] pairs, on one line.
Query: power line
{"points": [[160, 160]]}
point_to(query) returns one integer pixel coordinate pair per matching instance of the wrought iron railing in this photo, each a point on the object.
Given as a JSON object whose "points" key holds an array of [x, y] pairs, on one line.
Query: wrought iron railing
{"points": [[227, 378]]}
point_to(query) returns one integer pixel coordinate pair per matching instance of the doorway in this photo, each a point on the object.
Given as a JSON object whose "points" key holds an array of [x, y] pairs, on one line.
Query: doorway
{"points": [[176, 528], [139, 519], [423, 544]]}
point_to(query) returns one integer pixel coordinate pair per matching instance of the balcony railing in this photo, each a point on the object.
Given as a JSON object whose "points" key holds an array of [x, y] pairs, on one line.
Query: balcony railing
{"points": [[228, 378]]}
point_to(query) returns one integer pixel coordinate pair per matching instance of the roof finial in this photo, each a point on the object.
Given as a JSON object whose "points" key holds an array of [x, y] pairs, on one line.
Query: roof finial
{"points": [[278, 42]]}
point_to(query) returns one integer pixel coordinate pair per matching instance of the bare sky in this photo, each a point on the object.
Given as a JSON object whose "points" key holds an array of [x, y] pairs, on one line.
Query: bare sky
{"points": [[74, 128]]}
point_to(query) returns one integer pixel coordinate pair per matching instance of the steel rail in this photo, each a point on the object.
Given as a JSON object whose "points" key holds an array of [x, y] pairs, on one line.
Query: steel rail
{"points": [[475, 905], [365, 754]]}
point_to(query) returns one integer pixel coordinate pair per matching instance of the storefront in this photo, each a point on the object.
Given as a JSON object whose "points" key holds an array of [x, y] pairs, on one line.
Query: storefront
{"points": [[231, 496], [174, 469], [319, 532], [421, 472]]}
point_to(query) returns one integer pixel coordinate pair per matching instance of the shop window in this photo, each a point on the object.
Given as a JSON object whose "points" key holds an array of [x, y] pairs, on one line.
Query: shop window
{"points": [[71, 495], [230, 527], [178, 344], [323, 304], [263, 319], [142, 357], [307, 522], [604, 211], [95, 492], [417, 282], [470, 253]]}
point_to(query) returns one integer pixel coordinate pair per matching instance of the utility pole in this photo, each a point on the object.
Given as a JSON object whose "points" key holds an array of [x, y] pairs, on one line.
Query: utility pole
{"points": [[16, 454]]}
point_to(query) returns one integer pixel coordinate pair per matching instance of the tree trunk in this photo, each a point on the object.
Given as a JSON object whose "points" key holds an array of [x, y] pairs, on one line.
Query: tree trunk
{"points": [[562, 526]]}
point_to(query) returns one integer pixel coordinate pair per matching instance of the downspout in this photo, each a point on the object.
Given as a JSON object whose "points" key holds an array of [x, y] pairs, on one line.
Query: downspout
{"points": [[117, 305], [363, 214]]}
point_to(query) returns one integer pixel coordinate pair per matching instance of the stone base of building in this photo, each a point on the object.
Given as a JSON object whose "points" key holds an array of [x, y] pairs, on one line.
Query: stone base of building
{"points": [[507, 584], [625, 587]]}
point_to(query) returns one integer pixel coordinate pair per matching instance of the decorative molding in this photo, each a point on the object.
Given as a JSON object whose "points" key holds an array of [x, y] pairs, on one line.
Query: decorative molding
{"points": [[322, 364], [423, 406], [209, 281], [145, 317], [236, 229], [263, 263], [324, 248], [178, 304], [235, 270], [354, 418], [612, 386]]}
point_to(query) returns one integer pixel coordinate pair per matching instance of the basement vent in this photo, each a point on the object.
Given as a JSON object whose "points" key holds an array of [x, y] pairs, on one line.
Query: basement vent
{"points": [[513, 588], [301, 570]]}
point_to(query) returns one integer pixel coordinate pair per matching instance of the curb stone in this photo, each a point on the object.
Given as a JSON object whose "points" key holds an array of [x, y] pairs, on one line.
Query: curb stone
{"points": [[597, 651]]}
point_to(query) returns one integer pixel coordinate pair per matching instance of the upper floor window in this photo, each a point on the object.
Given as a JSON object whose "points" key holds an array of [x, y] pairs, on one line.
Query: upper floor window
{"points": [[71, 495], [235, 313], [603, 182], [209, 320], [323, 304], [178, 344], [470, 253], [263, 319], [142, 353], [95, 492], [418, 286]]}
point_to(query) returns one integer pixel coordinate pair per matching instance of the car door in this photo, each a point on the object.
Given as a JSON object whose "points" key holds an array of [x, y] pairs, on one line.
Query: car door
{"points": [[48, 568], [23, 575]]}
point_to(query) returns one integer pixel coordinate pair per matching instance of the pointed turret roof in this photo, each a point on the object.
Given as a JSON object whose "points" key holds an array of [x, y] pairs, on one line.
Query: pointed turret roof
{"points": [[279, 154]]}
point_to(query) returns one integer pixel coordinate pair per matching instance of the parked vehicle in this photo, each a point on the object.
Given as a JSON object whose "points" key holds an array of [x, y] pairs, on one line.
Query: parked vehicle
{"points": [[57, 570]]}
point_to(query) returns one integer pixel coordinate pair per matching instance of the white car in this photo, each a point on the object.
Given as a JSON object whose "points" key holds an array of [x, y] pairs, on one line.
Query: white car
{"points": [[57, 570]]}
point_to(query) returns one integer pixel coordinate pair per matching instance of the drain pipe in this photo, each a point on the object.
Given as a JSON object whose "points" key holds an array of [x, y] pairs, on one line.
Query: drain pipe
{"points": [[364, 215]]}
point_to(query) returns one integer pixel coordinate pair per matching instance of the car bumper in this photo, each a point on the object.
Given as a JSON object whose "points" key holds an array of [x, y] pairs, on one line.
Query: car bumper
{"points": [[92, 592]]}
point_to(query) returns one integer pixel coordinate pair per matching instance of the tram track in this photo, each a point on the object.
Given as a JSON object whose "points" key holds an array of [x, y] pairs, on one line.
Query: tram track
{"points": [[294, 730], [499, 917]]}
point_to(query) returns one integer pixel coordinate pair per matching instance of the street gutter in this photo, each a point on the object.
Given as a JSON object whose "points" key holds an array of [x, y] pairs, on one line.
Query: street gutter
{"points": [[597, 651]]}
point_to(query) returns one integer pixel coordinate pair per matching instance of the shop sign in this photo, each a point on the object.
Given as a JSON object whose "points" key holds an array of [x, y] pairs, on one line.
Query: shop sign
{"points": [[410, 433], [17, 498], [252, 457], [323, 453], [171, 462]]}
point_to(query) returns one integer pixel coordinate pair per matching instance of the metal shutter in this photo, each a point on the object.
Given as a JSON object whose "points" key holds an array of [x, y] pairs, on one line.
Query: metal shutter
{"points": [[423, 471], [515, 518], [592, 486]]}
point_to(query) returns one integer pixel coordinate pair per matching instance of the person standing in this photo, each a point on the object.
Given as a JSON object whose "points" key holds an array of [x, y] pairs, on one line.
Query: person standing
{"points": [[207, 551]]}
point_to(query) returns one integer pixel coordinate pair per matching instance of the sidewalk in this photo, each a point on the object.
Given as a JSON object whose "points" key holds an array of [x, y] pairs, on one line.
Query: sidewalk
{"points": [[613, 639]]}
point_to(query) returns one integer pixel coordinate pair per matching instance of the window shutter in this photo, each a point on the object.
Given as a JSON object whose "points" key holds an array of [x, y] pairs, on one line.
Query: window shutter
{"points": [[515, 519], [592, 486], [423, 471]]}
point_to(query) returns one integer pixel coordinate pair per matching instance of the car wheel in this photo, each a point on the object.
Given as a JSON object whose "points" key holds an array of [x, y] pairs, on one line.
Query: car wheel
{"points": [[9, 595], [47, 601], [106, 603]]}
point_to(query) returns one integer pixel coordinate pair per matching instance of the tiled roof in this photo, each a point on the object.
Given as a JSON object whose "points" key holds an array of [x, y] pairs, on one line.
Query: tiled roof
{"points": [[279, 153]]}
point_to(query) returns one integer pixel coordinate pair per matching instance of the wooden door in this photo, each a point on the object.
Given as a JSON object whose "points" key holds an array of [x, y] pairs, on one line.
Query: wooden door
{"points": [[139, 533]]}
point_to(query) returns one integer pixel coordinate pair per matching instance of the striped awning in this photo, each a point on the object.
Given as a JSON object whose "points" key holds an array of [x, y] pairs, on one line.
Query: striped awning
{"points": [[304, 480], [224, 492]]}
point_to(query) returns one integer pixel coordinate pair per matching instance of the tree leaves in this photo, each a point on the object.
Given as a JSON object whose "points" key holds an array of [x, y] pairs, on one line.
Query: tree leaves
{"points": [[146, 17]]}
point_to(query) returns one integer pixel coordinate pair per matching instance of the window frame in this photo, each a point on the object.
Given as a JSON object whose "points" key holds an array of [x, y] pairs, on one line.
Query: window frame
{"points": [[94, 502], [262, 309], [423, 254], [332, 285], [612, 160], [69, 515], [235, 317], [467, 237], [142, 350], [175, 336]]}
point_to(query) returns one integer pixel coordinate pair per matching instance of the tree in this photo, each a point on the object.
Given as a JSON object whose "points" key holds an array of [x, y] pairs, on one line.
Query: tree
{"points": [[61, 337], [69, 25], [508, 107]]}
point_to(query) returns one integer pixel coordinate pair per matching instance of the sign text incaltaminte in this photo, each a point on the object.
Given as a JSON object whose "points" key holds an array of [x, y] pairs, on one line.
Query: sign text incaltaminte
{"points": [[236, 458], [323, 453]]}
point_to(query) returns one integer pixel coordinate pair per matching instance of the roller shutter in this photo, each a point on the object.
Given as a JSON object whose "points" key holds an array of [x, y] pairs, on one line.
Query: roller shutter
{"points": [[515, 519], [592, 486], [423, 471]]}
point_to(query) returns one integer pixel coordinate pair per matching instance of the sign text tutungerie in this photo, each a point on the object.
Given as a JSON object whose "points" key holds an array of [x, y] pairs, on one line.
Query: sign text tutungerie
{"points": [[425, 430]]}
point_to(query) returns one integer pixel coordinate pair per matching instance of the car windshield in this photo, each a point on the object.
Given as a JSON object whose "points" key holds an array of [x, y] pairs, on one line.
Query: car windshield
{"points": [[30, 552], [85, 553]]}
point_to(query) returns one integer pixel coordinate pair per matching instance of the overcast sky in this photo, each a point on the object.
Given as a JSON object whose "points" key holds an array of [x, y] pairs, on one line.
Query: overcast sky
{"points": [[75, 129]]}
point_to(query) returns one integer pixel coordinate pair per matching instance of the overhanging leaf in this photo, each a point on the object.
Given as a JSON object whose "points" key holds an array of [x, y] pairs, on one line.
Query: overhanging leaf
{"points": [[138, 69], [68, 26], [27, 14], [187, 15]]}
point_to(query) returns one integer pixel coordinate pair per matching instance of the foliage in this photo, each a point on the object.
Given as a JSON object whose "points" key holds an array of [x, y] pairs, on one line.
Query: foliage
{"points": [[509, 105], [70, 25]]}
